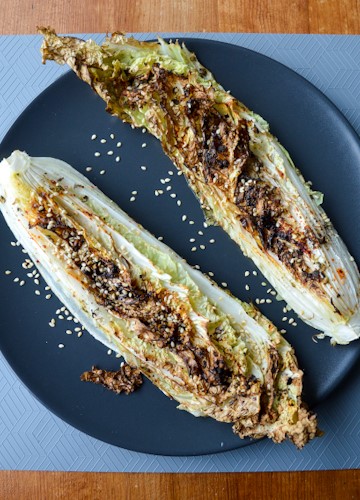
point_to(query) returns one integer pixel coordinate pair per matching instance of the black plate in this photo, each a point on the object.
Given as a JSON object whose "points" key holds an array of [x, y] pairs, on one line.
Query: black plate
{"points": [[60, 123]]}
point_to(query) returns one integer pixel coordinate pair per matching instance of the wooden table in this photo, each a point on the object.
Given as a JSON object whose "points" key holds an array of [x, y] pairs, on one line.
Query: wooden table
{"points": [[276, 16]]}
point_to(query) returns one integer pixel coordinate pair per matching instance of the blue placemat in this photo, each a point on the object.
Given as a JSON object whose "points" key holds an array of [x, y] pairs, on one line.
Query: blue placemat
{"points": [[32, 438]]}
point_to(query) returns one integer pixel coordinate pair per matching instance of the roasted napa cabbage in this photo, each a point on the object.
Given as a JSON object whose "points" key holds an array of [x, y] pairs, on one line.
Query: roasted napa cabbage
{"points": [[243, 177], [215, 355]]}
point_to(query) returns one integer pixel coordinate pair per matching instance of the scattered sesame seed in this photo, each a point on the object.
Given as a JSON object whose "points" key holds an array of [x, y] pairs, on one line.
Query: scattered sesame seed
{"points": [[183, 218], [57, 311], [273, 293], [7, 272], [48, 296], [37, 292], [160, 191], [22, 283], [69, 318], [12, 243], [110, 153], [193, 249], [191, 222], [68, 332], [79, 334], [36, 281], [134, 192], [109, 352], [160, 238], [61, 346], [168, 188], [173, 195], [294, 324], [118, 144], [61, 316], [268, 301], [112, 136], [262, 301], [282, 331], [211, 273], [247, 287], [247, 273], [205, 224], [255, 273], [93, 137], [224, 284], [46, 288], [291, 320], [257, 301], [179, 172], [192, 240], [178, 203], [284, 318], [263, 283], [88, 169], [143, 130], [66, 312], [132, 198], [202, 247], [52, 323], [24, 251], [97, 154], [118, 355], [143, 167], [143, 145], [102, 172], [170, 172], [103, 141]]}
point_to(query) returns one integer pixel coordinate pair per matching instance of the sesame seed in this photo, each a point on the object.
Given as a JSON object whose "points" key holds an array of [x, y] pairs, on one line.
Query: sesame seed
{"points": [[22, 283], [291, 320], [103, 141], [79, 334], [156, 192], [192, 240], [143, 167], [160, 191], [8, 272], [263, 283], [117, 159], [46, 288], [12, 243], [255, 273], [110, 153], [193, 249], [97, 154], [143, 145], [61, 316], [61, 346], [168, 188], [247, 287], [36, 281], [282, 331], [118, 144], [197, 266], [143, 130], [102, 172], [202, 247], [109, 352], [294, 324], [173, 195], [180, 172], [284, 318], [205, 224], [247, 273], [132, 198], [52, 323], [211, 273], [93, 137], [112, 136], [170, 172], [68, 332], [48, 296], [183, 218], [273, 293], [257, 301], [224, 284], [24, 251], [178, 203], [37, 292], [262, 301], [118, 355], [191, 222], [268, 301], [160, 238]]}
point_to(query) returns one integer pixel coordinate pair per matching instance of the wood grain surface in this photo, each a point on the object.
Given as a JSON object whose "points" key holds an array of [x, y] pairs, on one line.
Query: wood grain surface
{"points": [[266, 16], [276, 16], [324, 485]]}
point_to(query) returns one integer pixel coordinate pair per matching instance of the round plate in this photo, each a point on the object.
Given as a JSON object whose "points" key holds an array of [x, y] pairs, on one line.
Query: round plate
{"points": [[60, 123]]}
